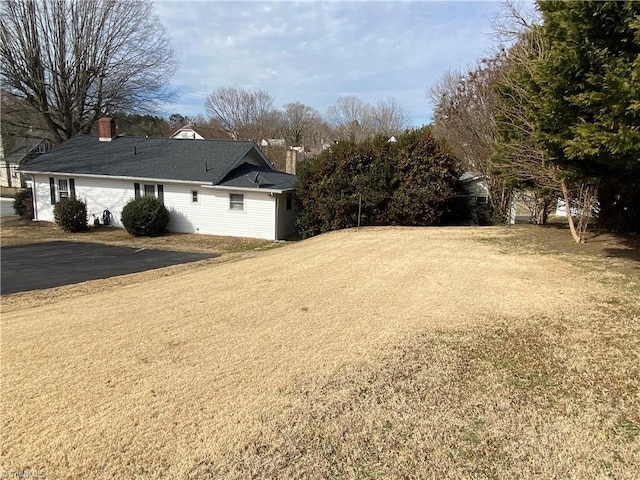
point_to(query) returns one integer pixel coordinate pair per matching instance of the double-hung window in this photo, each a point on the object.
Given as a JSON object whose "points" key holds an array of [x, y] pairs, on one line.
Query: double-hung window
{"points": [[149, 190], [61, 189], [236, 201]]}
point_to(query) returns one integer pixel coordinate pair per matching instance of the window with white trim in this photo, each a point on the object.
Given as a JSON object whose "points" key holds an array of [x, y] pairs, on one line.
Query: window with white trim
{"points": [[63, 188], [194, 196], [148, 190], [236, 201]]}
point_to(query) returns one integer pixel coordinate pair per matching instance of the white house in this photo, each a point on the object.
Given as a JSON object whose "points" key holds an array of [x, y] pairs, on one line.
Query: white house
{"points": [[24, 149], [194, 132], [215, 187]]}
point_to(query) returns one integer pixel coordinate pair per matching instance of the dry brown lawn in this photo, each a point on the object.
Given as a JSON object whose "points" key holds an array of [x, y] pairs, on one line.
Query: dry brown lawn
{"points": [[15, 231], [378, 353]]}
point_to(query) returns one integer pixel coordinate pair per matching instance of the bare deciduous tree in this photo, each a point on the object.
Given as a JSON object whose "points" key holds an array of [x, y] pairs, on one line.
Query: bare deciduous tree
{"points": [[244, 114], [520, 158], [355, 120], [389, 117], [350, 117], [514, 18], [74, 61], [464, 117], [299, 121], [19, 119]]}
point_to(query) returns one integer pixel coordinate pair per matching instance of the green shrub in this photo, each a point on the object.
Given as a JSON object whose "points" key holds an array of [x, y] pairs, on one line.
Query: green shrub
{"points": [[23, 204], [145, 217], [71, 214], [375, 182]]}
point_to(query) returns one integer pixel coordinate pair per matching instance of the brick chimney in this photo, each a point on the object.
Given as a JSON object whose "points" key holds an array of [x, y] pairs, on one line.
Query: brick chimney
{"points": [[106, 129], [291, 161]]}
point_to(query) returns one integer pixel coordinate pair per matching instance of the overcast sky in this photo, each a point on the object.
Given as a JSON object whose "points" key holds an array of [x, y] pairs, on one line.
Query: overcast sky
{"points": [[314, 52]]}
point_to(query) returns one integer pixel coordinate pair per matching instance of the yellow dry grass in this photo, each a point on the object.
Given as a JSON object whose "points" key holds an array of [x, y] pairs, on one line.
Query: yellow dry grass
{"points": [[16, 231], [379, 353]]}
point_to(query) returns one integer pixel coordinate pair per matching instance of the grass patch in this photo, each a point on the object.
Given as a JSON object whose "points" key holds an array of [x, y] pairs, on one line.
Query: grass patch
{"points": [[507, 402], [604, 252], [627, 429], [17, 232], [378, 353]]}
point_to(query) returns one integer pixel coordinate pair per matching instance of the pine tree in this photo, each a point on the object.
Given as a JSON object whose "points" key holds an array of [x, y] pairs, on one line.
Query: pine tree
{"points": [[588, 104]]}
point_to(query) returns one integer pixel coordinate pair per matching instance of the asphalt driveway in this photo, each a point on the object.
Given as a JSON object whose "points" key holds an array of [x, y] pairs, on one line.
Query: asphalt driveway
{"points": [[52, 264]]}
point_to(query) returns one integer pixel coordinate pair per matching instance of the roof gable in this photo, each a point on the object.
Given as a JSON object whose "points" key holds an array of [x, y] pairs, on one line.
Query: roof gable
{"points": [[207, 161], [26, 147], [250, 176], [194, 132]]}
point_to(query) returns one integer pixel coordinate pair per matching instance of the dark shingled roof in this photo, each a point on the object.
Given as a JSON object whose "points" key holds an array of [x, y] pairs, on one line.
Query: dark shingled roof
{"points": [[206, 161], [208, 133], [249, 176], [22, 150]]}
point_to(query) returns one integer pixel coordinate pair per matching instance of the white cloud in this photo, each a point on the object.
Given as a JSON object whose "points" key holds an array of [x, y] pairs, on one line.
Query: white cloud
{"points": [[314, 52]]}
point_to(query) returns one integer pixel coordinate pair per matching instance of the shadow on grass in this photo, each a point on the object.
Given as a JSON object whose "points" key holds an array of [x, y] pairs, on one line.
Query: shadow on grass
{"points": [[604, 243], [616, 245], [629, 249]]}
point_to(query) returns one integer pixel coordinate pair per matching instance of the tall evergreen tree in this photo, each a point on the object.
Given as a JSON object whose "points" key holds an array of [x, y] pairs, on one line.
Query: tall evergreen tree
{"points": [[588, 99]]}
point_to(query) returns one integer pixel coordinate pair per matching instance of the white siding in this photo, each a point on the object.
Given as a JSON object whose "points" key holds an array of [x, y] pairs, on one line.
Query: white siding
{"points": [[286, 218], [210, 215], [187, 134], [9, 176], [98, 194]]}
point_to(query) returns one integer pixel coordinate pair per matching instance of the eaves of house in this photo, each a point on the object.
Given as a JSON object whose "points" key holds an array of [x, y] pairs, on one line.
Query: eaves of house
{"points": [[219, 163]]}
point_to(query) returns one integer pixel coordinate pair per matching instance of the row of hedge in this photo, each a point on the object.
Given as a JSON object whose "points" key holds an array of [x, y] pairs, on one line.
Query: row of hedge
{"points": [[410, 181]]}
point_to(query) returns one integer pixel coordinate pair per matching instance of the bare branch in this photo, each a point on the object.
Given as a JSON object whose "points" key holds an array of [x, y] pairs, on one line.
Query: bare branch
{"points": [[76, 61], [244, 114], [355, 119]]}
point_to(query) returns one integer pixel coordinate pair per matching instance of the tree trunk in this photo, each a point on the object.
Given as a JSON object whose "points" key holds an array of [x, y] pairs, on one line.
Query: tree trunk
{"points": [[577, 236]]}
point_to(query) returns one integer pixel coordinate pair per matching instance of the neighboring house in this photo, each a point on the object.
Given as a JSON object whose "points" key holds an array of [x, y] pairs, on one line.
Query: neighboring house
{"points": [[274, 149], [477, 195], [215, 187], [24, 149], [561, 209], [475, 188], [193, 132], [274, 142]]}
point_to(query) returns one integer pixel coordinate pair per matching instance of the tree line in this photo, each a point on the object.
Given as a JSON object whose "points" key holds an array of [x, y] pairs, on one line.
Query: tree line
{"points": [[555, 113], [67, 63], [251, 115]]}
